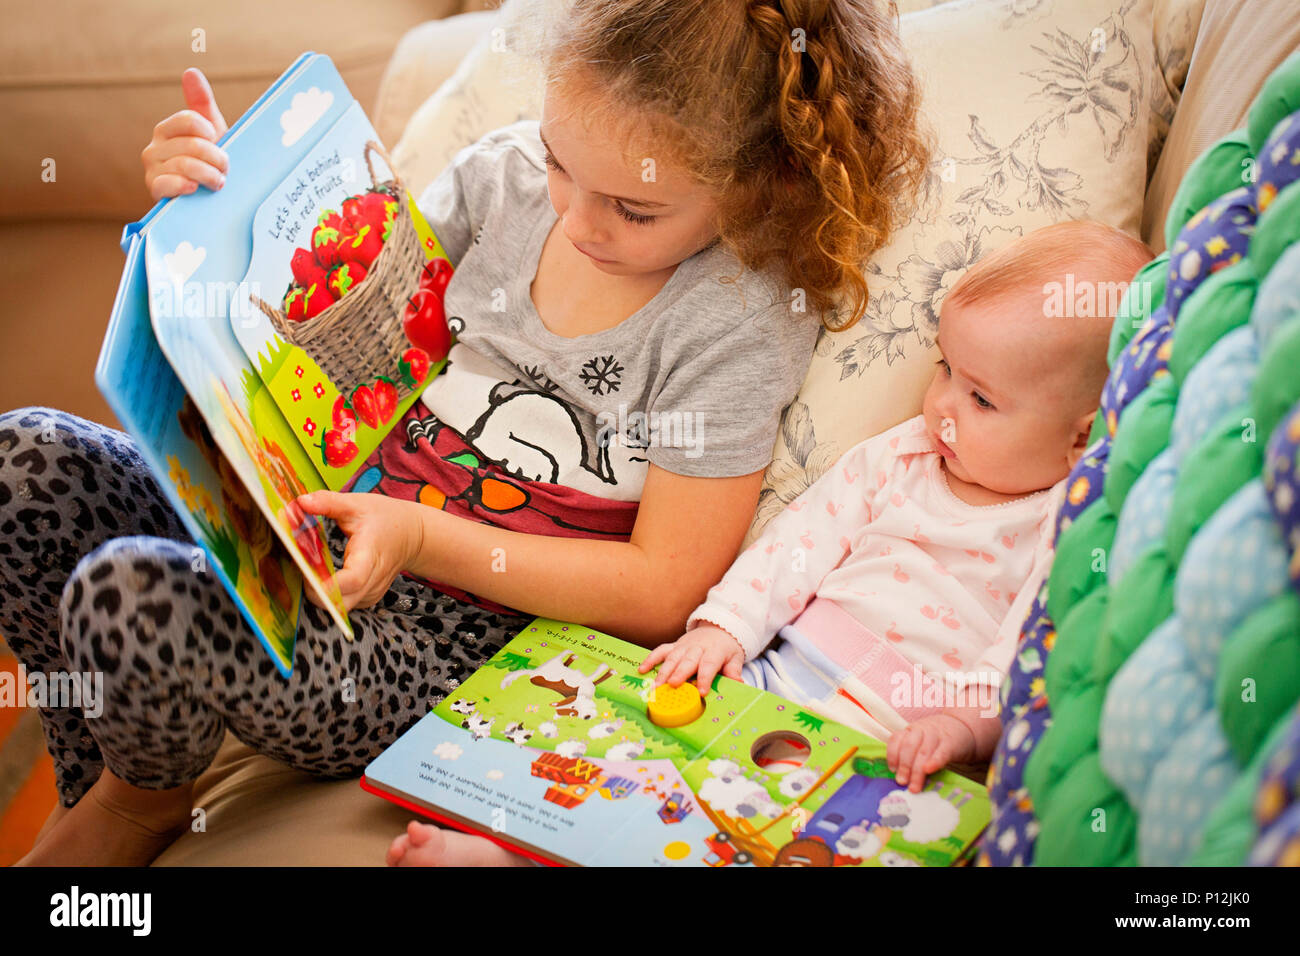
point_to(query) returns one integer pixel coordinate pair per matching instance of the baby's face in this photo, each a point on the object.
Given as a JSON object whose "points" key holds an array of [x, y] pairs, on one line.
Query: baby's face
{"points": [[631, 215], [1000, 409]]}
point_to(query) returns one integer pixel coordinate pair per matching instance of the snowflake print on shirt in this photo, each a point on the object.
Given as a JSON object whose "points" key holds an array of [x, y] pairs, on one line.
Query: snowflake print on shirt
{"points": [[601, 374], [538, 377]]}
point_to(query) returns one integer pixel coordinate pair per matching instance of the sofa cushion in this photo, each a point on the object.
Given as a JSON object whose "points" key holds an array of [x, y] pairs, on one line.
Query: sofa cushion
{"points": [[1237, 47], [89, 96]]}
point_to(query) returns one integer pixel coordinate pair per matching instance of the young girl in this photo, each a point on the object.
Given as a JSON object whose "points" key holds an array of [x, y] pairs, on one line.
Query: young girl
{"points": [[637, 253], [896, 585]]}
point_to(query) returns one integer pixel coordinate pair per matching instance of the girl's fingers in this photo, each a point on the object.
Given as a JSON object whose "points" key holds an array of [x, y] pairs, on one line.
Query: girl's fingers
{"points": [[199, 97], [168, 185], [195, 147], [193, 169], [331, 504], [185, 123]]}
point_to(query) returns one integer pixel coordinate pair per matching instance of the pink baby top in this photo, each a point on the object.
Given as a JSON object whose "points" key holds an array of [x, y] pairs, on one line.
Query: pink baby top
{"points": [[882, 538]]}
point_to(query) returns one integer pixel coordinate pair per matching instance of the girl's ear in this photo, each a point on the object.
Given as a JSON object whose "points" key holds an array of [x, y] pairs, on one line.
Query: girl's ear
{"points": [[1082, 429]]}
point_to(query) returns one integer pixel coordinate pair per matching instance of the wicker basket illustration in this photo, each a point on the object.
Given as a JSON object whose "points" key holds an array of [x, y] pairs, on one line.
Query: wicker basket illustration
{"points": [[359, 338]]}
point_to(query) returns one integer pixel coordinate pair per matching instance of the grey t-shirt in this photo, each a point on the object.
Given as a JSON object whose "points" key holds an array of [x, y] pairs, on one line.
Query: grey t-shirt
{"points": [[694, 381]]}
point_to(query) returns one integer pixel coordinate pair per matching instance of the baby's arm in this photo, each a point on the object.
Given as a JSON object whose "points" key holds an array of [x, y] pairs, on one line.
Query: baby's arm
{"points": [[955, 735]]}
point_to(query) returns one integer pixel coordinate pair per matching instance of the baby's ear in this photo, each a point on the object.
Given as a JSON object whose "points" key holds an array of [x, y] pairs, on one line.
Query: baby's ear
{"points": [[1082, 429]]}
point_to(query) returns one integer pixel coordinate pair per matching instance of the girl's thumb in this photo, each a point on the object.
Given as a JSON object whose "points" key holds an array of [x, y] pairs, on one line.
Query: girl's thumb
{"points": [[199, 97], [321, 503]]}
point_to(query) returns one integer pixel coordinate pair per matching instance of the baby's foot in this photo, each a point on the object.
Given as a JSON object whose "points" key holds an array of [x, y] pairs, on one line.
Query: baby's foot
{"points": [[425, 845]]}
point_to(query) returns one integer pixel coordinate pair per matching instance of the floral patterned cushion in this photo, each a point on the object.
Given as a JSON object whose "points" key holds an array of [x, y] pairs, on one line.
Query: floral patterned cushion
{"points": [[1044, 110]]}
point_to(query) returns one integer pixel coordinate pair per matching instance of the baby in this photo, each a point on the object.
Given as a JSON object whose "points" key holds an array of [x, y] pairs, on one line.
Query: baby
{"points": [[895, 586]]}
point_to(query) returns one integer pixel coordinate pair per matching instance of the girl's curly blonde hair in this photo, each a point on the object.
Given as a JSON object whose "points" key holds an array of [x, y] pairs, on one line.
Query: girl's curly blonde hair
{"points": [[799, 116]]}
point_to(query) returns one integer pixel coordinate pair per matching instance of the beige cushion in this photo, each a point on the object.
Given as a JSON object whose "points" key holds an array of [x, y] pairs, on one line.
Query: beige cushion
{"points": [[88, 95], [1238, 45]]}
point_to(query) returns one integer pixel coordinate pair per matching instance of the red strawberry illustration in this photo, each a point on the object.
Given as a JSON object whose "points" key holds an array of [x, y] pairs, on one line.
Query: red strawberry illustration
{"points": [[414, 366], [345, 419], [363, 403], [325, 246], [295, 303], [344, 278], [306, 270], [360, 245], [336, 449], [385, 398], [354, 211], [379, 210], [317, 299]]}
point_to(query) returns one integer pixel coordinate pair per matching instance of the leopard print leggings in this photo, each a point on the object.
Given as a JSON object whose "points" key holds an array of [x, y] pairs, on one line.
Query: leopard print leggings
{"points": [[96, 576]]}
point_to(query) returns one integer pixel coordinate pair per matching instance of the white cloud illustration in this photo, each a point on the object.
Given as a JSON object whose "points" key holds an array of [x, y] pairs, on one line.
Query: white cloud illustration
{"points": [[305, 109], [183, 261], [447, 750]]}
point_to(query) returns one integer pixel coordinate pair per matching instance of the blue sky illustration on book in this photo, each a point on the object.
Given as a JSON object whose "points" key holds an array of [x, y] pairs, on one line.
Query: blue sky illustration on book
{"points": [[197, 251]]}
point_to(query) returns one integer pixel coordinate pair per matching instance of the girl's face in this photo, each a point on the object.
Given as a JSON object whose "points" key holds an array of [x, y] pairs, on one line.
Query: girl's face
{"points": [[1001, 408], [630, 216]]}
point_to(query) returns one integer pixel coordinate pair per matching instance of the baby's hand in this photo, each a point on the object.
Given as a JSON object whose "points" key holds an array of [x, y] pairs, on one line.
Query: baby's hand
{"points": [[704, 650], [927, 746], [183, 153]]}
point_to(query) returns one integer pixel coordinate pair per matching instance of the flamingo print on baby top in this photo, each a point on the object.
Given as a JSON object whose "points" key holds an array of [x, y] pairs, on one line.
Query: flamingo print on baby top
{"points": [[881, 541]]}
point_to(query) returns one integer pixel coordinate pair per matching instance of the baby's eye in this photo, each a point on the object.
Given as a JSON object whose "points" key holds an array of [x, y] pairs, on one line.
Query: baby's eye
{"points": [[981, 401], [631, 216], [550, 161]]}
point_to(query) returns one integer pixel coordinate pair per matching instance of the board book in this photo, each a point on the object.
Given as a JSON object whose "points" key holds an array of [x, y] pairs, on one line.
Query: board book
{"points": [[266, 336], [559, 749]]}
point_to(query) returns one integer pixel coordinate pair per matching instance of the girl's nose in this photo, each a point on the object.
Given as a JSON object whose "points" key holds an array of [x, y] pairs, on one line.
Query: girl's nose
{"points": [[579, 218]]}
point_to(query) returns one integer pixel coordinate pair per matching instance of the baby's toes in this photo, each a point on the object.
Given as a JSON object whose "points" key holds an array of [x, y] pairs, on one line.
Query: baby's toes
{"points": [[397, 850]]}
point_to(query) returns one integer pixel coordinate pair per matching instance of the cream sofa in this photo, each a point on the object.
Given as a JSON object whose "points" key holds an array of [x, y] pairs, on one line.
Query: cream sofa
{"points": [[1209, 58]]}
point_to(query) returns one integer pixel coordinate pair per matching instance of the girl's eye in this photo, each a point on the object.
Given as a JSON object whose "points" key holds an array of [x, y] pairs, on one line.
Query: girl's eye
{"points": [[631, 216], [622, 210], [943, 364], [981, 401]]}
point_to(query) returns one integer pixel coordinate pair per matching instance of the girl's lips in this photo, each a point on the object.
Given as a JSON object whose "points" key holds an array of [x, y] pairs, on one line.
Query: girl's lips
{"points": [[589, 255], [943, 448]]}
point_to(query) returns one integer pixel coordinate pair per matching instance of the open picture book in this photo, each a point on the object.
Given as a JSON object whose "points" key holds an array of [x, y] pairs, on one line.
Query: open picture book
{"points": [[557, 748], [265, 337]]}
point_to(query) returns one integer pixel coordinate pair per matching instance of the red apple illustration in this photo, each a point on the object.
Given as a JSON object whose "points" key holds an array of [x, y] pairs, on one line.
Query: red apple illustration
{"points": [[425, 324], [435, 275], [353, 211]]}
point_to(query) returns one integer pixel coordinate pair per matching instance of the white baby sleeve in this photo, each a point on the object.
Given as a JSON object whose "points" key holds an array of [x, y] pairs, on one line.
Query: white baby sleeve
{"points": [[775, 577]]}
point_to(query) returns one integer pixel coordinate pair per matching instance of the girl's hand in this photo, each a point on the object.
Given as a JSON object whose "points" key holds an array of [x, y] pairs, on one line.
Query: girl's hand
{"points": [[183, 153], [704, 650], [927, 746], [384, 535]]}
